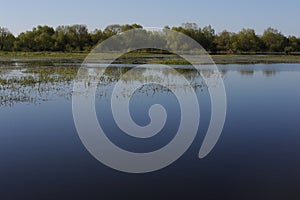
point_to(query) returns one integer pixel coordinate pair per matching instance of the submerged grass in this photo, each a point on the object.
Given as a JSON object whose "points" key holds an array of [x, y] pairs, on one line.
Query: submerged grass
{"points": [[37, 75]]}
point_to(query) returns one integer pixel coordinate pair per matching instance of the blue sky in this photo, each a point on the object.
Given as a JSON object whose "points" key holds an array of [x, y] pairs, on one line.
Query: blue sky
{"points": [[232, 15]]}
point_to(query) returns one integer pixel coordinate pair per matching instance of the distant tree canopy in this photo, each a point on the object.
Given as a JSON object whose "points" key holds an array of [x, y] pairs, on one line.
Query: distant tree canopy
{"points": [[7, 40], [78, 38], [274, 40]]}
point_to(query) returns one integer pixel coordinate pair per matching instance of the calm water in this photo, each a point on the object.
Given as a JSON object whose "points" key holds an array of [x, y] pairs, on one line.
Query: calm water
{"points": [[257, 156]]}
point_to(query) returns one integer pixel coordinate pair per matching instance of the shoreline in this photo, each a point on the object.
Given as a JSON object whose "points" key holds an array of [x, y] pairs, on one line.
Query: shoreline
{"points": [[143, 58]]}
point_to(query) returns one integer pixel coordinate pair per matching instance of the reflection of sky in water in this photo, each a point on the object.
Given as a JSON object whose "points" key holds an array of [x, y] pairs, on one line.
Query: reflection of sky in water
{"points": [[257, 154]]}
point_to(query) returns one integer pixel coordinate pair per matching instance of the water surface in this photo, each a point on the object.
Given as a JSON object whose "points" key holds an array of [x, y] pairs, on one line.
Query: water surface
{"points": [[257, 156]]}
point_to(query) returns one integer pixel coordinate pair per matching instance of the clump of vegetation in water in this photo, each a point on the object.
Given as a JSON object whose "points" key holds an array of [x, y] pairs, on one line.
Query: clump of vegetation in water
{"points": [[33, 83]]}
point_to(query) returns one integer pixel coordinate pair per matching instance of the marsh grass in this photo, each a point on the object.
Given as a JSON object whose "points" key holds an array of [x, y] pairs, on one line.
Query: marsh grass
{"points": [[33, 84], [148, 58]]}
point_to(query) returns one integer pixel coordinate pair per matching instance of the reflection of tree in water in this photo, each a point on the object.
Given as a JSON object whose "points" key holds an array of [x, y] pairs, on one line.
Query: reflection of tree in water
{"points": [[246, 72], [142, 76], [38, 84], [269, 73], [249, 72]]}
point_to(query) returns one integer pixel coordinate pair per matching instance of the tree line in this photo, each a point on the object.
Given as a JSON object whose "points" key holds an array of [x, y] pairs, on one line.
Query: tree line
{"points": [[74, 38]]}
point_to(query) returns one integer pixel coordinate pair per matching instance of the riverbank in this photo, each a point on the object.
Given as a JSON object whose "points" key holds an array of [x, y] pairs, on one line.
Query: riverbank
{"points": [[142, 58]]}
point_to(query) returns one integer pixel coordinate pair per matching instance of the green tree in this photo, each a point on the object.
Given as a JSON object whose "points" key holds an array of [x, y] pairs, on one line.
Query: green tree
{"points": [[43, 38], [246, 40], [205, 37], [274, 40], [78, 37], [112, 30], [208, 37], [190, 29], [293, 44], [97, 36], [127, 27], [38, 39], [223, 41], [60, 38], [25, 42], [7, 40]]}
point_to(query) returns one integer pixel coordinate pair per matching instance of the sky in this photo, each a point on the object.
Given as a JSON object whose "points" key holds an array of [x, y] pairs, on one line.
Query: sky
{"points": [[232, 15]]}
